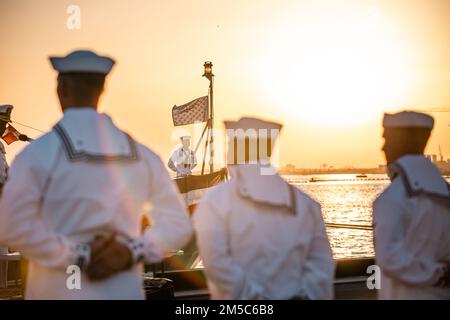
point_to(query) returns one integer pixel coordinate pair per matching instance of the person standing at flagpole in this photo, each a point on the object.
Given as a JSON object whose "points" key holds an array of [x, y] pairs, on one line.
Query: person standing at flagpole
{"points": [[258, 236], [75, 198], [183, 160], [412, 216]]}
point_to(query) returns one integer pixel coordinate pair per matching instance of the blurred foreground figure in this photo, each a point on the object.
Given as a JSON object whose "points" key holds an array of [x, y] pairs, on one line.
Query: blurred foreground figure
{"points": [[412, 216], [5, 116], [258, 236], [76, 196]]}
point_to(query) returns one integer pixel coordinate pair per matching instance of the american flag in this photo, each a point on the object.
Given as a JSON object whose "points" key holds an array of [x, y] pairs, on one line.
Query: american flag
{"points": [[195, 111]]}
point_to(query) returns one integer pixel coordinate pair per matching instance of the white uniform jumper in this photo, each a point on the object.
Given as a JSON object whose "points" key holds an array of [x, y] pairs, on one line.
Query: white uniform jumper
{"points": [[83, 178], [3, 250], [182, 162], [412, 231], [260, 238], [3, 165]]}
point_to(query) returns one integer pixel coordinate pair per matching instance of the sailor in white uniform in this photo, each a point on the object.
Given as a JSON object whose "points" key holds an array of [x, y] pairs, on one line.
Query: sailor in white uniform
{"points": [[76, 196], [3, 166], [5, 113], [183, 160], [258, 236], [412, 216]]}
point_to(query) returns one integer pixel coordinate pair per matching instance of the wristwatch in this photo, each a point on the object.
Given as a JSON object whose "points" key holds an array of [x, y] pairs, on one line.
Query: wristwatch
{"points": [[82, 255], [136, 247], [443, 280]]}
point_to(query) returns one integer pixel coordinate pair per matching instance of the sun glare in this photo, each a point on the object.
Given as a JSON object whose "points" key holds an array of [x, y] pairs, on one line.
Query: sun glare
{"points": [[343, 69]]}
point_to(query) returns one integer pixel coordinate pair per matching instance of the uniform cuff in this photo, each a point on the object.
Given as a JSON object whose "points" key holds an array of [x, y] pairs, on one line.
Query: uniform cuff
{"points": [[81, 254], [137, 249], [442, 276]]}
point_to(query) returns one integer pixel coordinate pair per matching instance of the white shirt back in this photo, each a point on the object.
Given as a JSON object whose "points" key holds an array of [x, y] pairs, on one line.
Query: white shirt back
{"points": [[262, 251], [66, 188]]}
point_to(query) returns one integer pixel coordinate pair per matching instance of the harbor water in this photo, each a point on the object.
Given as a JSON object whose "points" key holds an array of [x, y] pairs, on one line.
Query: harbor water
{"points": [[346, 202]]}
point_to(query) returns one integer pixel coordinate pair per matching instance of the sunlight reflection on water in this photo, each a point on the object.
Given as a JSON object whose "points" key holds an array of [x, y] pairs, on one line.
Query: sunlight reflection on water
{"points": [[345, 200]]}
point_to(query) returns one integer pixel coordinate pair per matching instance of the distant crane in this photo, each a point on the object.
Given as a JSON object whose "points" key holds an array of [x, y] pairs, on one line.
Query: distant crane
{"points": [[439, 109]]}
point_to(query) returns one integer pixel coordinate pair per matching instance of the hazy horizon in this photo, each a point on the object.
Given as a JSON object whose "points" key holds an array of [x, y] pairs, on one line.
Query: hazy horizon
{"points": [[327, 70]]}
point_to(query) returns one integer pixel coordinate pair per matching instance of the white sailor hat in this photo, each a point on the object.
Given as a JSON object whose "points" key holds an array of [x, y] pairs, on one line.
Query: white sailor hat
{"points": [[185, 137], [83, 61], [5, 108], [408, 119], [253, 124]]}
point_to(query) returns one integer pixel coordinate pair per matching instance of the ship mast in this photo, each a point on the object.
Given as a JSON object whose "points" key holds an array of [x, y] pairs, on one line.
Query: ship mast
{"points": [[210, 76]]}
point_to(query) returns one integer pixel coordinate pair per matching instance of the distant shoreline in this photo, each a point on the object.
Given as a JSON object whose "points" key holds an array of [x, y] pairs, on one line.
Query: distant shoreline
{"points": [[285, 171], [355, 171]]}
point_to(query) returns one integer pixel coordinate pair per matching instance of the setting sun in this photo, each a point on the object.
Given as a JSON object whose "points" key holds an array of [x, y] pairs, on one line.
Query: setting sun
{"points": [[337, 69], [322, 68], [246, 152]]}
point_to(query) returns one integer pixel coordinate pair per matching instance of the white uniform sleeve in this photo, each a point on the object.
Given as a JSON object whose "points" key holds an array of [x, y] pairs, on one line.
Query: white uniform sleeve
{"points": [[319, 266], [22, 225], [170, 227], [171, 163], [3, 167], [194, 161], [392, 256], [225, 275]]}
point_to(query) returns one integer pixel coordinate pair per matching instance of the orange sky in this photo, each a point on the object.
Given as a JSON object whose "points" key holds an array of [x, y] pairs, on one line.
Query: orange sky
{"points": [[326, 69]]}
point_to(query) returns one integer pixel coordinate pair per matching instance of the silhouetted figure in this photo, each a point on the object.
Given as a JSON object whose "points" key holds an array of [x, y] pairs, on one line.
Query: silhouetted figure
{"points": [[412, 216], [260, 237], [75, 197]]}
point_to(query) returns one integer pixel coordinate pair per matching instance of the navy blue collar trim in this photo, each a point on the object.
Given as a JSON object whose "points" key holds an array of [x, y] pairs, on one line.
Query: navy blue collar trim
{"points": [[292, 194], [413, 193], [74, 155]]}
